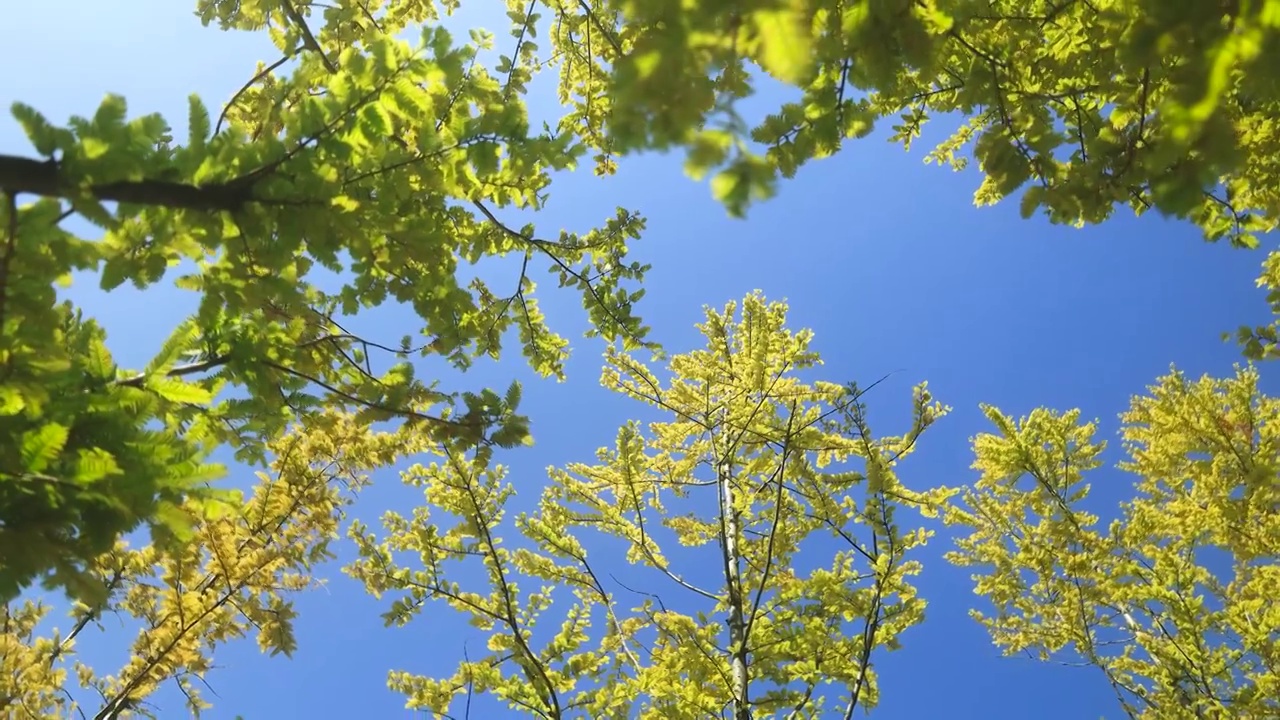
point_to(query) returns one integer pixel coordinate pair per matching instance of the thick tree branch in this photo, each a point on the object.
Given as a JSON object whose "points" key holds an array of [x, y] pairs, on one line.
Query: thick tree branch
{"points": [[9, 248], [46, 178]]}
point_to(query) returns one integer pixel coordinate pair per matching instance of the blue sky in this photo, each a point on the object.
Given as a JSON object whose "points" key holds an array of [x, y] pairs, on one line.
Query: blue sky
{"points": [[884, 257]]}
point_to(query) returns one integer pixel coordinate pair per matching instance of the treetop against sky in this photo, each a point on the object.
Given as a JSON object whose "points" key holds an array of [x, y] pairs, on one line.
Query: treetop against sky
{"points": [[226, 327]]}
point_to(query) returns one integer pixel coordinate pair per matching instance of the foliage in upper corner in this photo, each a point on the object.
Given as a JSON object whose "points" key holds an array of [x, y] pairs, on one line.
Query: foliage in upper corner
{"points": [[763, 504], [234, 578], [356, 152], [1175, 600], [1076, 106], [1086, 105]]}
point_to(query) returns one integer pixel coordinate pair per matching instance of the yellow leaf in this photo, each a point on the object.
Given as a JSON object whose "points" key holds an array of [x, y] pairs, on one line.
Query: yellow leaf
{"points": [[345, 203], [94, 148]]}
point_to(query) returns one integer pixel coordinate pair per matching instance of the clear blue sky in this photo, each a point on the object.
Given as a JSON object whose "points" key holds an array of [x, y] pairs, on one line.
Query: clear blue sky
{"points": [[884, 257]]}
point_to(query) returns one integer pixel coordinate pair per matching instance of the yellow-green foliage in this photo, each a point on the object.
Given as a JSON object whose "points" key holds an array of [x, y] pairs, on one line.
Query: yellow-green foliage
{"points": [[77, 463], [803, 619], [1077, 106], [358, 151], [377, 147], [236, 577], [1086, 105], [1175, 601]]}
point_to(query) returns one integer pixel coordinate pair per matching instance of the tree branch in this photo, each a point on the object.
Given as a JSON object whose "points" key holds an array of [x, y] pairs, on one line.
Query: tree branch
{"points": [[138, 381], [46, 178]]}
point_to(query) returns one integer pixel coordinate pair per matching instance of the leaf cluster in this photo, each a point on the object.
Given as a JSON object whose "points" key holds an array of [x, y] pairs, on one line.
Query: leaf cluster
{"points": [[235, 574], [770, 454], [1173, 600], [1081, 106], [356, 153]]}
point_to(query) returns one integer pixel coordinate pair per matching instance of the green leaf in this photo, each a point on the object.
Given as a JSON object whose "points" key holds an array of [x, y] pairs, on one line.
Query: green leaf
{"points": [[40, 447], [98, 361], [179, 341], [94, 148], [111, 112], [175, 520], [205, 472], [709, 149], [785, 45], [11, 402], [176, 391], [38, 130], [95, 464], [50, 365], [198, 123], [218, 503], [514, 392], [728, 187], [1031, 200], [114, 273], [377, 120]]}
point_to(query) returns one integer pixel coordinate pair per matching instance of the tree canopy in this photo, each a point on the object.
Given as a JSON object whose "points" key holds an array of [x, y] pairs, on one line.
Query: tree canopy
{"points": [[377, 149], [1080, 104], [238, 577], [750, 467], [596, 602], [388, 161], [1173, 600], [356, 152]]}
